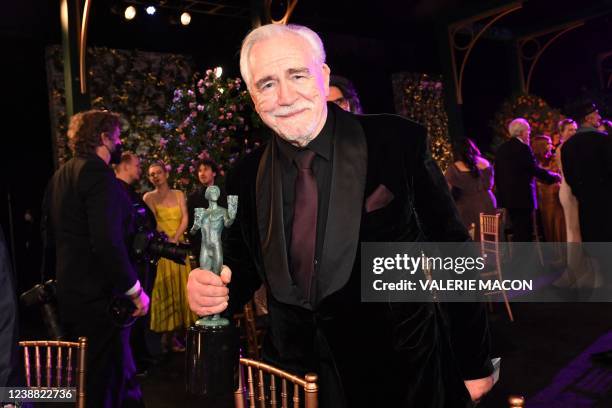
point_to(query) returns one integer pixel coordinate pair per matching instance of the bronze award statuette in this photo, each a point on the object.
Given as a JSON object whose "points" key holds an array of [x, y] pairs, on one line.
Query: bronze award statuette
{"points": [[212, 343]]}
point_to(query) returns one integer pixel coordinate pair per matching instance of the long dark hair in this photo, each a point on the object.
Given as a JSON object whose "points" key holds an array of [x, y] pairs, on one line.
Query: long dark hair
{"points": [[466, 151]]}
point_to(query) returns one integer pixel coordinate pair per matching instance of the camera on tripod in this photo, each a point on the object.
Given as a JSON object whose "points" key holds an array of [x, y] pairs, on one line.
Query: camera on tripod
{"points": [[148, 244], [43, 295]]}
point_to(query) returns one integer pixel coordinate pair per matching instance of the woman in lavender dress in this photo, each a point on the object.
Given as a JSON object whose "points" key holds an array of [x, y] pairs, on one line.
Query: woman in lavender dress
{"points": [[470, 179]]}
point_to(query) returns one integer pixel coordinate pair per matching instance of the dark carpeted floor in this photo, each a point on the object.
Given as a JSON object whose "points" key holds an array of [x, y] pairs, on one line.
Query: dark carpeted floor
{"points": [[544, 358]]}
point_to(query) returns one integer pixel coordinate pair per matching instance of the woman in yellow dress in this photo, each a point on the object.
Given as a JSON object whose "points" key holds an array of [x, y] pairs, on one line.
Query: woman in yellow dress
{"points": [[170, 313]]}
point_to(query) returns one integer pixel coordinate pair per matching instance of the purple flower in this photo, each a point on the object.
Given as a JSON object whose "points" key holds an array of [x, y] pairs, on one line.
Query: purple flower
{"points": [[180, 168], [190, 92], [208, 71], [168, 168], [208, 84], [221, 117], [192, 105], [163, 142], [200, 83], [200, 108], [228, 115]]}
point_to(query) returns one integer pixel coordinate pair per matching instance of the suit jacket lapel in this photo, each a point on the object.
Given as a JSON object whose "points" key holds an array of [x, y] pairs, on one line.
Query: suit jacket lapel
{"points": [[350, 157], [269, 202]]}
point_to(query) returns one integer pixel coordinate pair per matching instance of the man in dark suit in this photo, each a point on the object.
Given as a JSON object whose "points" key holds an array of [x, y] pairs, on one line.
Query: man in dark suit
{"points": [[88, 225], [326, 182], [587, 167], [515, 172], [142, 339]]}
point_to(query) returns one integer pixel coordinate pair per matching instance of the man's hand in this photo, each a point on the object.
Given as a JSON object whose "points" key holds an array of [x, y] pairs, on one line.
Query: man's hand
{"points": [[142, 304], [207, 292], [479, 387]]}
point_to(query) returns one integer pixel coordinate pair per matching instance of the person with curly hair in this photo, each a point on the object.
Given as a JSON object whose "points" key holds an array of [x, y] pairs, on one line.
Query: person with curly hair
{"points": [[87, 220]]}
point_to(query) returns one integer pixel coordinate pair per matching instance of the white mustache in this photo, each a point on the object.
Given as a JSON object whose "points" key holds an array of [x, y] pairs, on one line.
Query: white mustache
{"points": [[290, 110]]}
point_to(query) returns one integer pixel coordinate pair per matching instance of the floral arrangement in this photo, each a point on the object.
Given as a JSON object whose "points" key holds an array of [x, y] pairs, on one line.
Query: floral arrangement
{"points": [[542, 118], [420, 97], [136, 84], [211, 118]]}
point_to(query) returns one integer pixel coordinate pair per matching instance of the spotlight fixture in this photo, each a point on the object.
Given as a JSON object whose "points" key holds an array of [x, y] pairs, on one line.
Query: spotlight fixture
{"points": [[129, 13], [218, 72], [150, 10], [185, 18]]}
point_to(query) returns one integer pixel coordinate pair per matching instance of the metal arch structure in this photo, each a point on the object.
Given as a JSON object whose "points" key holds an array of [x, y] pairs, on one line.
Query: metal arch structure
{"points": [[74, 23], [605, 72], [288, 11], [468, 25], [261, 12], [549, 35]]}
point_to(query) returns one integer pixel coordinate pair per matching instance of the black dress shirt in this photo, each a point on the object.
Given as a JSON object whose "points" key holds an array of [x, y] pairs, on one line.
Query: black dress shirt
{"points": [[322, 167]]}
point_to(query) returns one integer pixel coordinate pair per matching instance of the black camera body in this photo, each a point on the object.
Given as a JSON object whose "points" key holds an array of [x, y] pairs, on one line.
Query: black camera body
{"points": [[148, 244], [43, 295]]}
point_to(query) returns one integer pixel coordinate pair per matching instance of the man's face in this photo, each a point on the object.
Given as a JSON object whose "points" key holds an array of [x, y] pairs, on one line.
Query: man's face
{"points": [[133, 169], [206, 175], [593, 119], [568, 131], [526, 134], [289, 87], [112, 140], [336, 96]]}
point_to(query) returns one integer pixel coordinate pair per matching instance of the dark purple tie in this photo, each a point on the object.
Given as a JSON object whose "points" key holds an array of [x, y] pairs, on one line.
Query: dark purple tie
{"points": [[304, 228]]}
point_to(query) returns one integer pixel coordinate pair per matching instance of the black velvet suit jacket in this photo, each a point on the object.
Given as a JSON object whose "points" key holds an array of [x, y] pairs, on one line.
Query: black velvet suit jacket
{"points": [[515, 172], [88, 224], [587, 168], [366, 354]]}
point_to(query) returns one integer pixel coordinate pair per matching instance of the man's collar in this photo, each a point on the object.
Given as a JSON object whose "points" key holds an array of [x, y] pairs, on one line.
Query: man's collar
{"points": [[584, 129], [321, 144], [521, 140]]}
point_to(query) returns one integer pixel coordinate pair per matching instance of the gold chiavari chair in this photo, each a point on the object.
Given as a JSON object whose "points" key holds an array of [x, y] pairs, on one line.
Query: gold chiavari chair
{"points": [[290, 386], [69, 369], [490, 231], [250, 334]]}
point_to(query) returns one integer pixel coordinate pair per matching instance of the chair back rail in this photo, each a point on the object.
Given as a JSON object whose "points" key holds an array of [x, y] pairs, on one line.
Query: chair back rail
{"points": [[490, 231], [60, 375], [258, 396]]}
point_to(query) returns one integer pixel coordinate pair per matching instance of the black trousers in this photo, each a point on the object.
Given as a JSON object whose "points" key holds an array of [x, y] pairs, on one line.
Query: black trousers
{"points": [[521, 223], [110, 370]]}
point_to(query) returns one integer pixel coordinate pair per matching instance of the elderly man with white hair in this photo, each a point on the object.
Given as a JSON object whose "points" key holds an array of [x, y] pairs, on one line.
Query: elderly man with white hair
{"points": [[327, 181], [515, 172]]}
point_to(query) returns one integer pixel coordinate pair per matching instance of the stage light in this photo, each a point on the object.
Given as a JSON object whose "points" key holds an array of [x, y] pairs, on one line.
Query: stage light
{"points": [[150, 10], [129, 13], [218, 72], [185, 18]]}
